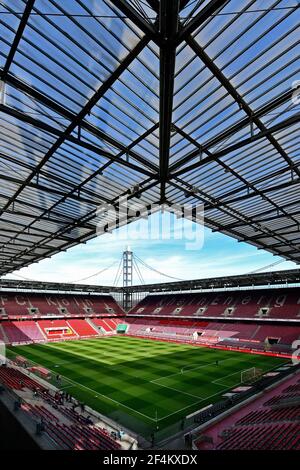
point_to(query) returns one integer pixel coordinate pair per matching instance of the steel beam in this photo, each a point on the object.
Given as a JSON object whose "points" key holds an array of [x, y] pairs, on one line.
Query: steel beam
{"points": [[168, 25], [83, 113], [154, 4], [246, 185], [267, 108], [289, 230], [17, 39], [266, 190], [84, 219], [231, 131], [218, 74], [241, 218], [145, 26], [95, 131], [242, 143], [204, 14]]}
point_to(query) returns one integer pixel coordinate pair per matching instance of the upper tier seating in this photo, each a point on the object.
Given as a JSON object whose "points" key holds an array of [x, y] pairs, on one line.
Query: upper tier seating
{"points": [[27, 304], [260, 303]]}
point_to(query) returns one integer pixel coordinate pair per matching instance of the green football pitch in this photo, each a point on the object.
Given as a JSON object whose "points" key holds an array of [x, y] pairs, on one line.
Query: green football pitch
{"points": [[145, 385]]}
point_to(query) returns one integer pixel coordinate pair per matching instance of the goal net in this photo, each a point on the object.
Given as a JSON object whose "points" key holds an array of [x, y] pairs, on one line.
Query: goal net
{"points": [[250, 375]]}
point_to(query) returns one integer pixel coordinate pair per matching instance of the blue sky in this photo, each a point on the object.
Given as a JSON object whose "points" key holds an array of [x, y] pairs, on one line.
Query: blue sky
{"points": [[219, 255]]}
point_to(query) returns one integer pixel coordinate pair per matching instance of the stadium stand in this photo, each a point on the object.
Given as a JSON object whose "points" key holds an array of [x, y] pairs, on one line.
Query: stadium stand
{"points": [[20, 305], [28, 331], [112, 111], [70, 429], [279, 338], [224, 333], [57, 329], [3, 336], [82, 328], [260, 303], [22, 316], [270, 422], [102, 325], [22, 332]]}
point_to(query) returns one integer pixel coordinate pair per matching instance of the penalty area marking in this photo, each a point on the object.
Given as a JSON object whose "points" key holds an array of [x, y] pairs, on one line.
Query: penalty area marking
{"points": [[179, 391], [135, 411], [199, 401], [217, 381], [192, 369], [196, 403]]}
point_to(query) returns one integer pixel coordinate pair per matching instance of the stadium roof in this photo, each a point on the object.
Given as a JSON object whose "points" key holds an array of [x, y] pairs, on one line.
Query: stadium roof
{"points": [[172, 101], [37, 286], [286, 278]]}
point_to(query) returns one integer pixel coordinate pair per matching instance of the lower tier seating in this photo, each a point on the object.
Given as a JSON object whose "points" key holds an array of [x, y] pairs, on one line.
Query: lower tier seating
{"points": [[74, 432], [271, 422], [57, 329], [269, 337], [251, 335], [22, 332], [82, 328], [27, 331], [266, 437], [103, 325]]}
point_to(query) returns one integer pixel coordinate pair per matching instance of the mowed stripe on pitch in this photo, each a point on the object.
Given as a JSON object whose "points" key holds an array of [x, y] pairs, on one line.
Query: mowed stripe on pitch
{"points": [[144, 376]]}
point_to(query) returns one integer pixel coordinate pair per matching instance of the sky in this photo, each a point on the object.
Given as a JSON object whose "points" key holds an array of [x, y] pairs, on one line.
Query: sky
{"points": [[177, 248]]}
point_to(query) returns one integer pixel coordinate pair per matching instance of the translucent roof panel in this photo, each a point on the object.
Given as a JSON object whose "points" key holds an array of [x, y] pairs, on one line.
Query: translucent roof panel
{"points": [[155, 101]]}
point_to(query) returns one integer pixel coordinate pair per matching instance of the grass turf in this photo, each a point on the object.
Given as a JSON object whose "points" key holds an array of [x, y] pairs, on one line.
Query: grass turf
{"points": [[144, 383]]}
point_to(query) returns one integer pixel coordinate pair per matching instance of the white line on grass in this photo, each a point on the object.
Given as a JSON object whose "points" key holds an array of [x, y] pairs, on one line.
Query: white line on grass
{"points": [[194, 404], [74, 352], [135, 411], [66, 386], [217, 381], [179, 391], [210, 396], [200, 400], [77, 384], [107, 397], [193, 368]]}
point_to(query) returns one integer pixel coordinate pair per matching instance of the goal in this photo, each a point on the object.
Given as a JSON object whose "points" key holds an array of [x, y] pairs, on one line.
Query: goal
{"points": [[250, 375]]}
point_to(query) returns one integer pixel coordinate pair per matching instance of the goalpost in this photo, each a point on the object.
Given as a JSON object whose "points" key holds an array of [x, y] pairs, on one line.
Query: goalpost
{"points": [[250, 375]]}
